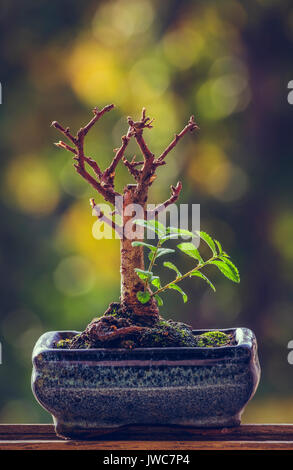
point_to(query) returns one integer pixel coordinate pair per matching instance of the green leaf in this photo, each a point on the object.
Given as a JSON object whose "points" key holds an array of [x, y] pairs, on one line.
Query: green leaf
{"points": [[228, 269], [169, 236], [209, 241], [151, 255], [143, 296], [190, 250], [170, 265], [233, 267], [153, 225], [219, 246], [156, 282], [164, 251], [202, 276], [159, 300], [143, 274], [180, 231], [157, 226], [147, 245], [160, 252], [176, 287]]}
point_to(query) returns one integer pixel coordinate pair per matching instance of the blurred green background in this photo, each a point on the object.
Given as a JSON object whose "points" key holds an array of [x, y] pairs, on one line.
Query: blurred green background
{"points": [[227, 62]]}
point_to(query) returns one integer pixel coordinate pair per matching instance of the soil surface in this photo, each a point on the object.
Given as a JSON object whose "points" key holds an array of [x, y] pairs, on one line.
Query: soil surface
{"points": [[119, 328]]}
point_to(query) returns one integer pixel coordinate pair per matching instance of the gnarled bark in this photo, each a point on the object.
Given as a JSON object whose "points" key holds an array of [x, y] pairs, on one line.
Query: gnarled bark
{"points": [[131, 258]]}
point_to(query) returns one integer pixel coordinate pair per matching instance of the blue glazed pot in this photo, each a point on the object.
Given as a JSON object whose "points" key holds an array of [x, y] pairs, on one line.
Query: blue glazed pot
{"points": [[87, 389]]}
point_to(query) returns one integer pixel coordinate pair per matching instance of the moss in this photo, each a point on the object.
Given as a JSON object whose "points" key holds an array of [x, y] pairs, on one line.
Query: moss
{"points": [[167, 333], [213, 339], [63, 343], [163, 323], [113, 309], [162, 333]]}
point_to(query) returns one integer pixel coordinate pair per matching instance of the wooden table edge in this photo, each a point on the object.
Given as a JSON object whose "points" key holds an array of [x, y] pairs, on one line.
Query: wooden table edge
{"points": [[244, 437]]}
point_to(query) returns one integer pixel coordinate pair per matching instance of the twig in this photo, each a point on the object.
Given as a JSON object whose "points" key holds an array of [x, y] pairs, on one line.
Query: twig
{"points": [[131, 166], [175, 192], [101, 216], [104, 183], [190, 127], [109, 173], [180, 278], [137, 130], [65, 131], [145, 176]]}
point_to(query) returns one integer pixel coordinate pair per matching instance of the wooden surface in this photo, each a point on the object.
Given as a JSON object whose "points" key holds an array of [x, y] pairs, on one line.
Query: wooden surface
{"points": [[245, 437]]}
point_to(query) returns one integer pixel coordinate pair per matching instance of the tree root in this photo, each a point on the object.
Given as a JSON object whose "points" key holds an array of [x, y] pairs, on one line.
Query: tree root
{"points": [[118, 328]]}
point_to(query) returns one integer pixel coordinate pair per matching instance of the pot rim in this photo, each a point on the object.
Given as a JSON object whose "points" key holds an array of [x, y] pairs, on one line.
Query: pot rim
{"points": [[245, 339]]}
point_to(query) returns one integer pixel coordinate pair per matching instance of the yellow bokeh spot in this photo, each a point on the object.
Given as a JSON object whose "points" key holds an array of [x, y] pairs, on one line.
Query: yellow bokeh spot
{"points": [[229, 65], [132, 17], [75, 275], [213, 172], [282, 233], [269, 410], [75, 234], [149, 78], [31, 186], [183, 47], [214, 99], [211, 169], [94, 72], [122, 19]]}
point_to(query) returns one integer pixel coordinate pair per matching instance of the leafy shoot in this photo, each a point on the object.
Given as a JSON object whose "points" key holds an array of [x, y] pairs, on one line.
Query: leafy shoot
{"points": [[218, 258]]}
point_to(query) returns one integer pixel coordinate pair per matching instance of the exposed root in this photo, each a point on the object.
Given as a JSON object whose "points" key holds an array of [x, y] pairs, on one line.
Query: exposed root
{"points": [[119, 328]]}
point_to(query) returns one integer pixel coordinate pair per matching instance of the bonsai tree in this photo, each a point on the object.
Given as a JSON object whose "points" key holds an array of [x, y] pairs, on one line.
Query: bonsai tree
{"points": [[135, 320]]}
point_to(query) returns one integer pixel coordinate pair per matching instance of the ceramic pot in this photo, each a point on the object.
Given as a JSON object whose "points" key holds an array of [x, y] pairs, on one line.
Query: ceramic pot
{"points": [[87, 389]]}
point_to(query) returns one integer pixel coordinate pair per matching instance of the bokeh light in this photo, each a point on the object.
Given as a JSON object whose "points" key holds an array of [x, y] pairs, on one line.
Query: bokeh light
{"points": [[31, 186], [74, 275], [225, 62]]}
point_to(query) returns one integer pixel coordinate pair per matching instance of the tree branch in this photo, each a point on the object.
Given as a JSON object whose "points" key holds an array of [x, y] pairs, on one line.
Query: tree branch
{"points": [[101, 216], [65, 146], [109, 173], [145, 176], [131, 166], [64, 131], [175, 193], [190, 127], [95, 167], [97, 115], [136, 129], [107, 193], [104, 183], [84, 130], [92, 163]]}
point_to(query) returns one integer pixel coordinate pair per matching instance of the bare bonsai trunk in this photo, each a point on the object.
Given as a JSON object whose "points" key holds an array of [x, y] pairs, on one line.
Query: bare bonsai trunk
{"points": [[131, 258]]}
